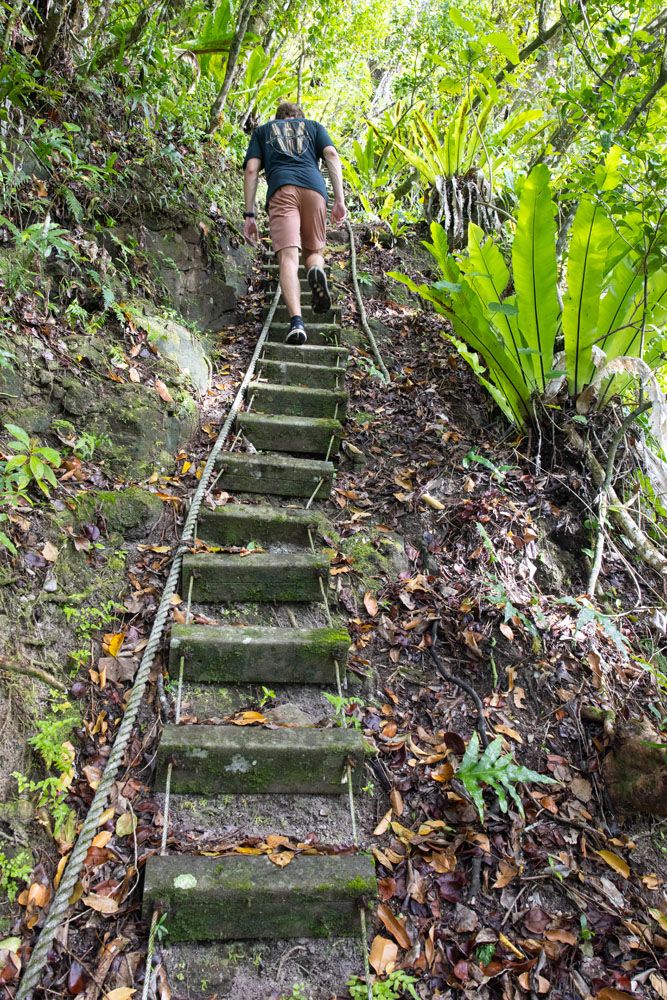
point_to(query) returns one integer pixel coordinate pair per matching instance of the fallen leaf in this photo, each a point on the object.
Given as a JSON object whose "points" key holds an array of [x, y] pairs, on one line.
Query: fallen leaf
{"points": [[126, 825], [609, 993], [511, 734], [394, 926], [282, 858], [370, 604], [582, 789], [121, 993], [247, 718], [432, 502], [383, 825], [162, 391], [383, 954], [618, 864], [506, 872], [506, 631], [396, 800], [112, 642], [102, 904], [50, 551]]}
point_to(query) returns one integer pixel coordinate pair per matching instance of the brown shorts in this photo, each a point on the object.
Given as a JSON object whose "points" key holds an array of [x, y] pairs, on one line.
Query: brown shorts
{"points": [[298, 218]]}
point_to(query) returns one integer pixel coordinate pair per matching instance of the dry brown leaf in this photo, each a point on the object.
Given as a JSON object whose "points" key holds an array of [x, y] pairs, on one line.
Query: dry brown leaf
{"points": [[121, 993], [50, 552], [383, 954], [371, 604], [506, 872], [102, 904], [162, 391], [247, 718], [396, 800], [609, 993], [394, 926], [432, 502], [282, 858], [510, 733], [618, 864], [383, 825], [659, 985], [112, 642], [506, 631]]}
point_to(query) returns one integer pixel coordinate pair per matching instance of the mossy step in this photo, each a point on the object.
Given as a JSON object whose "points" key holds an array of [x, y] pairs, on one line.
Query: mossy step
{"points": [[314, 376], [297, 435], [307, 354], [258, 655], [297, 401], [215, 760], [242, 898], [331, 316], [322, 334], [275, 475], [238, 524], [262, 576]]}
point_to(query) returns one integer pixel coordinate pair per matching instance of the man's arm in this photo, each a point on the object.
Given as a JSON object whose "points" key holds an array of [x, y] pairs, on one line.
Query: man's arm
{"points": [[338, 212], [250, 179]]}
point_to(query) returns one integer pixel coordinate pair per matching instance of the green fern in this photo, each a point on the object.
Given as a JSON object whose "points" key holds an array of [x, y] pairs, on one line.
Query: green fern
{"points": [[497, 770]]}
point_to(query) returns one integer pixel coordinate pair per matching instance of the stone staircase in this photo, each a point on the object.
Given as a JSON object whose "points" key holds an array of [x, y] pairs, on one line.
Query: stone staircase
{"points": [[287, 779]]}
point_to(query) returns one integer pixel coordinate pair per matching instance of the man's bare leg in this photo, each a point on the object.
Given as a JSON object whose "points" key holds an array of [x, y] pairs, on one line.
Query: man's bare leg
{"points": [[314, 260], [288, 260]]}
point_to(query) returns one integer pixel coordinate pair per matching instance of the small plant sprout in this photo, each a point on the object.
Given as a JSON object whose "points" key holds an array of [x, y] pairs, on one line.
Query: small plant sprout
{"points": [[267, 695], [398, 985], [344, 709], [14, 872], [497, 770], [31, 463]]}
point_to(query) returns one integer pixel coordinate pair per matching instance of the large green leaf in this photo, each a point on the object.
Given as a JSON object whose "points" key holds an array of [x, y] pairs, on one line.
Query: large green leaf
{"points": [[535, 273], [591, 234], [488, 275]]}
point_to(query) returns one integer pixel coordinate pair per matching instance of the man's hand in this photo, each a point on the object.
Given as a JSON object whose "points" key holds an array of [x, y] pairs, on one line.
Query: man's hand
{"points": [[251, 232], [338, 212]]}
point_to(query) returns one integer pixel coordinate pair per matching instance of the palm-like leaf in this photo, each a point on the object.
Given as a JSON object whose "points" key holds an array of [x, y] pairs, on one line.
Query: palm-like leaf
{"points": [[591, 234], [535, 272]]}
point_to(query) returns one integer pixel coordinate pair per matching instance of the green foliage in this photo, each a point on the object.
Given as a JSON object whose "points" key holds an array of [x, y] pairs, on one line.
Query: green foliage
{"points": [[610, 301], [31, 463], [14, 873], [398, 985], [56, 753], [497, 770], [344, 709]]}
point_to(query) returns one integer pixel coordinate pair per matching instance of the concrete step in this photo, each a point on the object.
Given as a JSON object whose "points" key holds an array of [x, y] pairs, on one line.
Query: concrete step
{"points": [[245, 898], [296, 435], [307, 354], [258, 655], [216, 760], [288, 373], [262, 576], [297, 401], [281, 314], [238, 524], [322, 334], [275, 475]]}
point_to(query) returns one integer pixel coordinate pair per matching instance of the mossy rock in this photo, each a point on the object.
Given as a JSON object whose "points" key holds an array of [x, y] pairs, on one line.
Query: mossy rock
{"points": [[123, 511], [376, 558]]}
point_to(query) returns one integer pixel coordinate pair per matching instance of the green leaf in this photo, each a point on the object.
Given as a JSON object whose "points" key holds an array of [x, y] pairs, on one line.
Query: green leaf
{"points": [[37, 467], [535, 271], [501, 41], [15, 462], [52, 456], [19, 434], [591, 233]]}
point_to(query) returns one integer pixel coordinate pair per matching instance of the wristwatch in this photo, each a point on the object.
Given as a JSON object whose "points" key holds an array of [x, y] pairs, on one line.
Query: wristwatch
{"points": [[248, 215]]}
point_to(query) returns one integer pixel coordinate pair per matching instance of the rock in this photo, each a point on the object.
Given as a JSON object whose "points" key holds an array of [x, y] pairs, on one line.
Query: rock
{"points": [[173, 341], [131, 511], [204, 293], [289, 715], [636, 770]]}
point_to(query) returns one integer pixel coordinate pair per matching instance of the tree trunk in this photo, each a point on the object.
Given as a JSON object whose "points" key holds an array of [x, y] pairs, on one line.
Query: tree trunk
{"points": [[113, 50], [245, 12]]}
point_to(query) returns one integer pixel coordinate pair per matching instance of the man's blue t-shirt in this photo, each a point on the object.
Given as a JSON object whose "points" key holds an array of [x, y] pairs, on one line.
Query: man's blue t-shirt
{"points": [[290, 150]]}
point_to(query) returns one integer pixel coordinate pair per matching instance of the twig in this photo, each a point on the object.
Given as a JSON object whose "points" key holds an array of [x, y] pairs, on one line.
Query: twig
{"points": [[604, 494], [453, 679], [31, 671]]}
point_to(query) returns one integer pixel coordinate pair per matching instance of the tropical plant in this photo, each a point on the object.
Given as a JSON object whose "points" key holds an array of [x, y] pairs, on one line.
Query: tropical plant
{"points": [[31, 463], [610, 306], [457, 157], [498, 771]]}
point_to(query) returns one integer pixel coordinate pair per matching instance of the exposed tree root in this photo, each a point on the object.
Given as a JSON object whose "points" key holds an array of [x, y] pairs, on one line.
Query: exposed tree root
{"points": [[30, 670], [644, 547]]}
